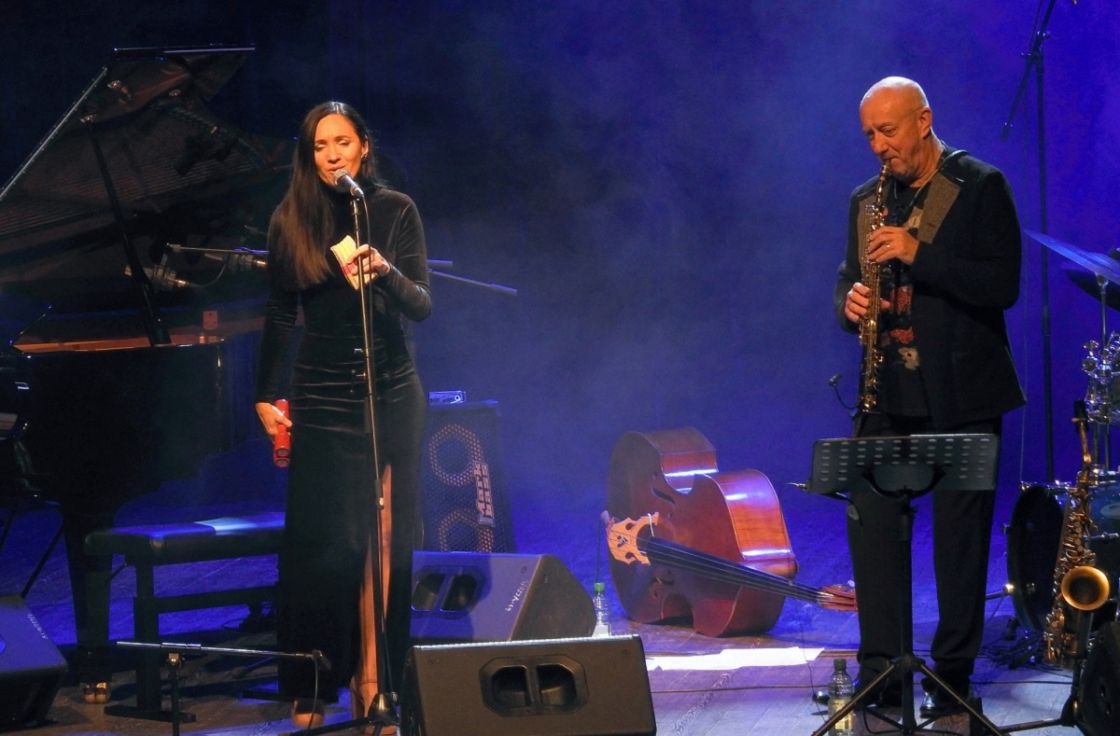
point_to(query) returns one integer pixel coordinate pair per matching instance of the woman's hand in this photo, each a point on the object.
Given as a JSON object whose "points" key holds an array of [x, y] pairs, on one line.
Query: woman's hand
{"points": [[271, 417], [371, 260]]}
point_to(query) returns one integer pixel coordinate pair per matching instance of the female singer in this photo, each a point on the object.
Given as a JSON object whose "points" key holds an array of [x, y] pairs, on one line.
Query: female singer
{"points": [[325, 561]]}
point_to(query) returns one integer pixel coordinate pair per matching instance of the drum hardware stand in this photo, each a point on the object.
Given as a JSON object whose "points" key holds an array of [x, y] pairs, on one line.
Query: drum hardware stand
{"points": [[176, 716], [902, 469], [383, 710]]}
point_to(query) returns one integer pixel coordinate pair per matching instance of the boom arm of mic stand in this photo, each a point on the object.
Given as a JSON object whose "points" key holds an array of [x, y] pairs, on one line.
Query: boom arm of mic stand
{"points": [[510, 291], [1033, 57]]}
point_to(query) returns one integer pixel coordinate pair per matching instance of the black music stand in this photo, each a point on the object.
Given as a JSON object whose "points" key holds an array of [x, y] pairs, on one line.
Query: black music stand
{"points": [[902, 469]]}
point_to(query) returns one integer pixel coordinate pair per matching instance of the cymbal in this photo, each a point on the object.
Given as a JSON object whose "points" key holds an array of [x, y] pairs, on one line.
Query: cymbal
{"points": [[1087, 282], [1099, 264]]}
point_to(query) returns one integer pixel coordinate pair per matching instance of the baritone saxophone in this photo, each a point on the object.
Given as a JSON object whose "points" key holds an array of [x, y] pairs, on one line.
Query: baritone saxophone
{"points": [[870, 273]]}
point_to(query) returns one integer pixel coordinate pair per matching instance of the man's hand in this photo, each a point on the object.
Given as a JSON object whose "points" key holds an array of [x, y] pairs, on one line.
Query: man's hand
{"points": [[892, 242], [857, 301]]}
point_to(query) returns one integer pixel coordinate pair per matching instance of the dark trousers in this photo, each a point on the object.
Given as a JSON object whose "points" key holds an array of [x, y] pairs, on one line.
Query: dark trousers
{"points": [[962, 527]]}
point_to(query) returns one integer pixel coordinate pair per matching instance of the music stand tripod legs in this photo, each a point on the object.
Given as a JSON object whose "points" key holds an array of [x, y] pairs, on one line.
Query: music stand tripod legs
{"points": [[902, 469]]}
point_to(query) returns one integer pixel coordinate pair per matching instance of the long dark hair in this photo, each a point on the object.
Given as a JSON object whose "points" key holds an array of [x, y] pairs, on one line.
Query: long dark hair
{"points": [[304, 219]]}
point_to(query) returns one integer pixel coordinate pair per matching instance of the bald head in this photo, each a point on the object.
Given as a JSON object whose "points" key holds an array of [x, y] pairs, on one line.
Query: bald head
{"points": [[901, 90]]}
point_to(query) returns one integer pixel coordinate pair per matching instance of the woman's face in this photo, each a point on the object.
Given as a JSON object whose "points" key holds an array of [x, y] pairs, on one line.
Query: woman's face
{"points": [[338, 146]]}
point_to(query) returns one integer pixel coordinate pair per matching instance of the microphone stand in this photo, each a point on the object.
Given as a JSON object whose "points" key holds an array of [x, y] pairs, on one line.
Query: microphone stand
{"points": [[381, 712], [175, 652], [1034, 61]]}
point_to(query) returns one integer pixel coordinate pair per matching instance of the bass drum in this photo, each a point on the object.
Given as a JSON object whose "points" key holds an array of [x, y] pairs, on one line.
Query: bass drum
{"points": [[1033, 538], [1032, 552]]}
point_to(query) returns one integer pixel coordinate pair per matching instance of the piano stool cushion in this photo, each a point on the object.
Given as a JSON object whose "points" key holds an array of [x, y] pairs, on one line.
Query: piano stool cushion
{"points": [[195, 541]]}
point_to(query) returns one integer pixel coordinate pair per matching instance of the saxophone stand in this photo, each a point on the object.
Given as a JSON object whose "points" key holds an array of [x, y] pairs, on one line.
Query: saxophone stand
{"points": [[902, 469], [382, 710], [1071, 715]]}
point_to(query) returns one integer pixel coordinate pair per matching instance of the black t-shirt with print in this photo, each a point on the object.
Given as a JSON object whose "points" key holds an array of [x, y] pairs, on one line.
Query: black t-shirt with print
{"points": [[902, 393]]}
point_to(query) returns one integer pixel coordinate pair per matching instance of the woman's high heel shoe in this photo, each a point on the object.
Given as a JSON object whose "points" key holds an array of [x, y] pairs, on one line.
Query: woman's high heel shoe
{"points": [[307, 713], [95, 693], [361, 696]]}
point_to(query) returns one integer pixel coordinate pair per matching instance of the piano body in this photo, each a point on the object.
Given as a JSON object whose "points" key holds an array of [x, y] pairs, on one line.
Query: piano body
{"points": [[111, 383]]}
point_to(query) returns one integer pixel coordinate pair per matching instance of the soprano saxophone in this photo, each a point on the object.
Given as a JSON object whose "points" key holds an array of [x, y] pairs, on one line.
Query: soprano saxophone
{"points": [[869, 323], [1079, 585]]}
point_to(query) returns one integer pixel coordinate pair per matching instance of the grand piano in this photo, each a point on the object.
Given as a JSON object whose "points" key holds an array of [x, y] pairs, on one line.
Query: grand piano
{"points": [[129, 305]]}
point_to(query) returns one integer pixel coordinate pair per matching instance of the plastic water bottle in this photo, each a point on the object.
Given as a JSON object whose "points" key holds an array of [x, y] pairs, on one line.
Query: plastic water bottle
{"points": [[602, 611], [840, 692]]}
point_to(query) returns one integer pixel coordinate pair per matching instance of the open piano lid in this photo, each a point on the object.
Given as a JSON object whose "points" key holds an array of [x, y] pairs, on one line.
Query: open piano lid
{"points": [[172, 163]]}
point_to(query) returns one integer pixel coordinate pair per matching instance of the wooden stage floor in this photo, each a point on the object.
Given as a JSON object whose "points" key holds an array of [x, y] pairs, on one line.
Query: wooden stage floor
{"points": [[734, 699]]}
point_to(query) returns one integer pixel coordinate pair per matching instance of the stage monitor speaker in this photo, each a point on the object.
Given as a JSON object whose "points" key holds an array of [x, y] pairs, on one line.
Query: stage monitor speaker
{"points": [[31, 667], [1099, 694], [470, 596], [560, 687], [465, 506]]}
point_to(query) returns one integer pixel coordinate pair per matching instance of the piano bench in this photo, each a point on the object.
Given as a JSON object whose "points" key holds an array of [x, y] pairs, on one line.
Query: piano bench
{"points": [[148, 546]]}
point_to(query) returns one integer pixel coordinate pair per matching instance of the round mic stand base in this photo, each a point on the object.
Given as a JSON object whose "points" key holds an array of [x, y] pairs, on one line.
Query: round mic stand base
{"points": [[176, 716]]}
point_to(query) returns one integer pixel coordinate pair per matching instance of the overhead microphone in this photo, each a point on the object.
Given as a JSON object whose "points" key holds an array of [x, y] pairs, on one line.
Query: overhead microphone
{"points": [[344, 182]]}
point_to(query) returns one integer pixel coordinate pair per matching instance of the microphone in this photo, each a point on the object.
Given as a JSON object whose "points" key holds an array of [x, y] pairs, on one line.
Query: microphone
{"points": [[161, 277], [344, 182], [282, 440], [237, 259], [245, 260]]}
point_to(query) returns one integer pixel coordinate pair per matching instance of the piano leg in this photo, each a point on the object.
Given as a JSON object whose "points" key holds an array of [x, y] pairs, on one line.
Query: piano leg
{"points": [[89, 582]]}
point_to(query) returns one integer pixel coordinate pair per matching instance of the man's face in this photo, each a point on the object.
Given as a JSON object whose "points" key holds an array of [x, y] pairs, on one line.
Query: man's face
{"points": [[896, 126]]}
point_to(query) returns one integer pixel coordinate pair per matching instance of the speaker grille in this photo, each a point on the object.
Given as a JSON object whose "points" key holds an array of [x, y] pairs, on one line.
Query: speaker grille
{"points": [[465, 509]]}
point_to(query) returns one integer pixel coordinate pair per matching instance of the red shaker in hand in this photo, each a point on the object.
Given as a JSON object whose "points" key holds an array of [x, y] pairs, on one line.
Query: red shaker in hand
{"points": [[282, 440]]}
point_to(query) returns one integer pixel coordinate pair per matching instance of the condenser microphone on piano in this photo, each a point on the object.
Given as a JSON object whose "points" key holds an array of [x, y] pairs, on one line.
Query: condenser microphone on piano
{"points": [[246, 260], [344, 182], [161, 277], [236, 259], [282, 440]]}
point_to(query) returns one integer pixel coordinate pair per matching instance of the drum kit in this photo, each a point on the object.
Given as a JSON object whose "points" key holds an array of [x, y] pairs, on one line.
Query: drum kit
{"points": [[1037, 520]]}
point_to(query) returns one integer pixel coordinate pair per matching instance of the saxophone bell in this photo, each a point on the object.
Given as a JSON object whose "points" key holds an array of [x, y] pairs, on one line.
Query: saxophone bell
{"points": [[1085, 588]]}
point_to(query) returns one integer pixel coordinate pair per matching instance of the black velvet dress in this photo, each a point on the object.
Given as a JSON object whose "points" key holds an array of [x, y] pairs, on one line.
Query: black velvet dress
{"points": [[329, 508]]}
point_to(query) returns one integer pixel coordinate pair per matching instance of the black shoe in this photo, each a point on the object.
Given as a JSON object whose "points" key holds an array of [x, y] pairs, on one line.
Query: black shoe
{"points": [[939, 704], [886, 696]]}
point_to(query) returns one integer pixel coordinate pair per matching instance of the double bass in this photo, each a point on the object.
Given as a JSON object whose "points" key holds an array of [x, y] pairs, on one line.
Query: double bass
{"points": [[689, 541]]}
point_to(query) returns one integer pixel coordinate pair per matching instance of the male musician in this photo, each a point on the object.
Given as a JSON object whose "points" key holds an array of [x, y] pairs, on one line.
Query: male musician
{"points": [[950, 250]]}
